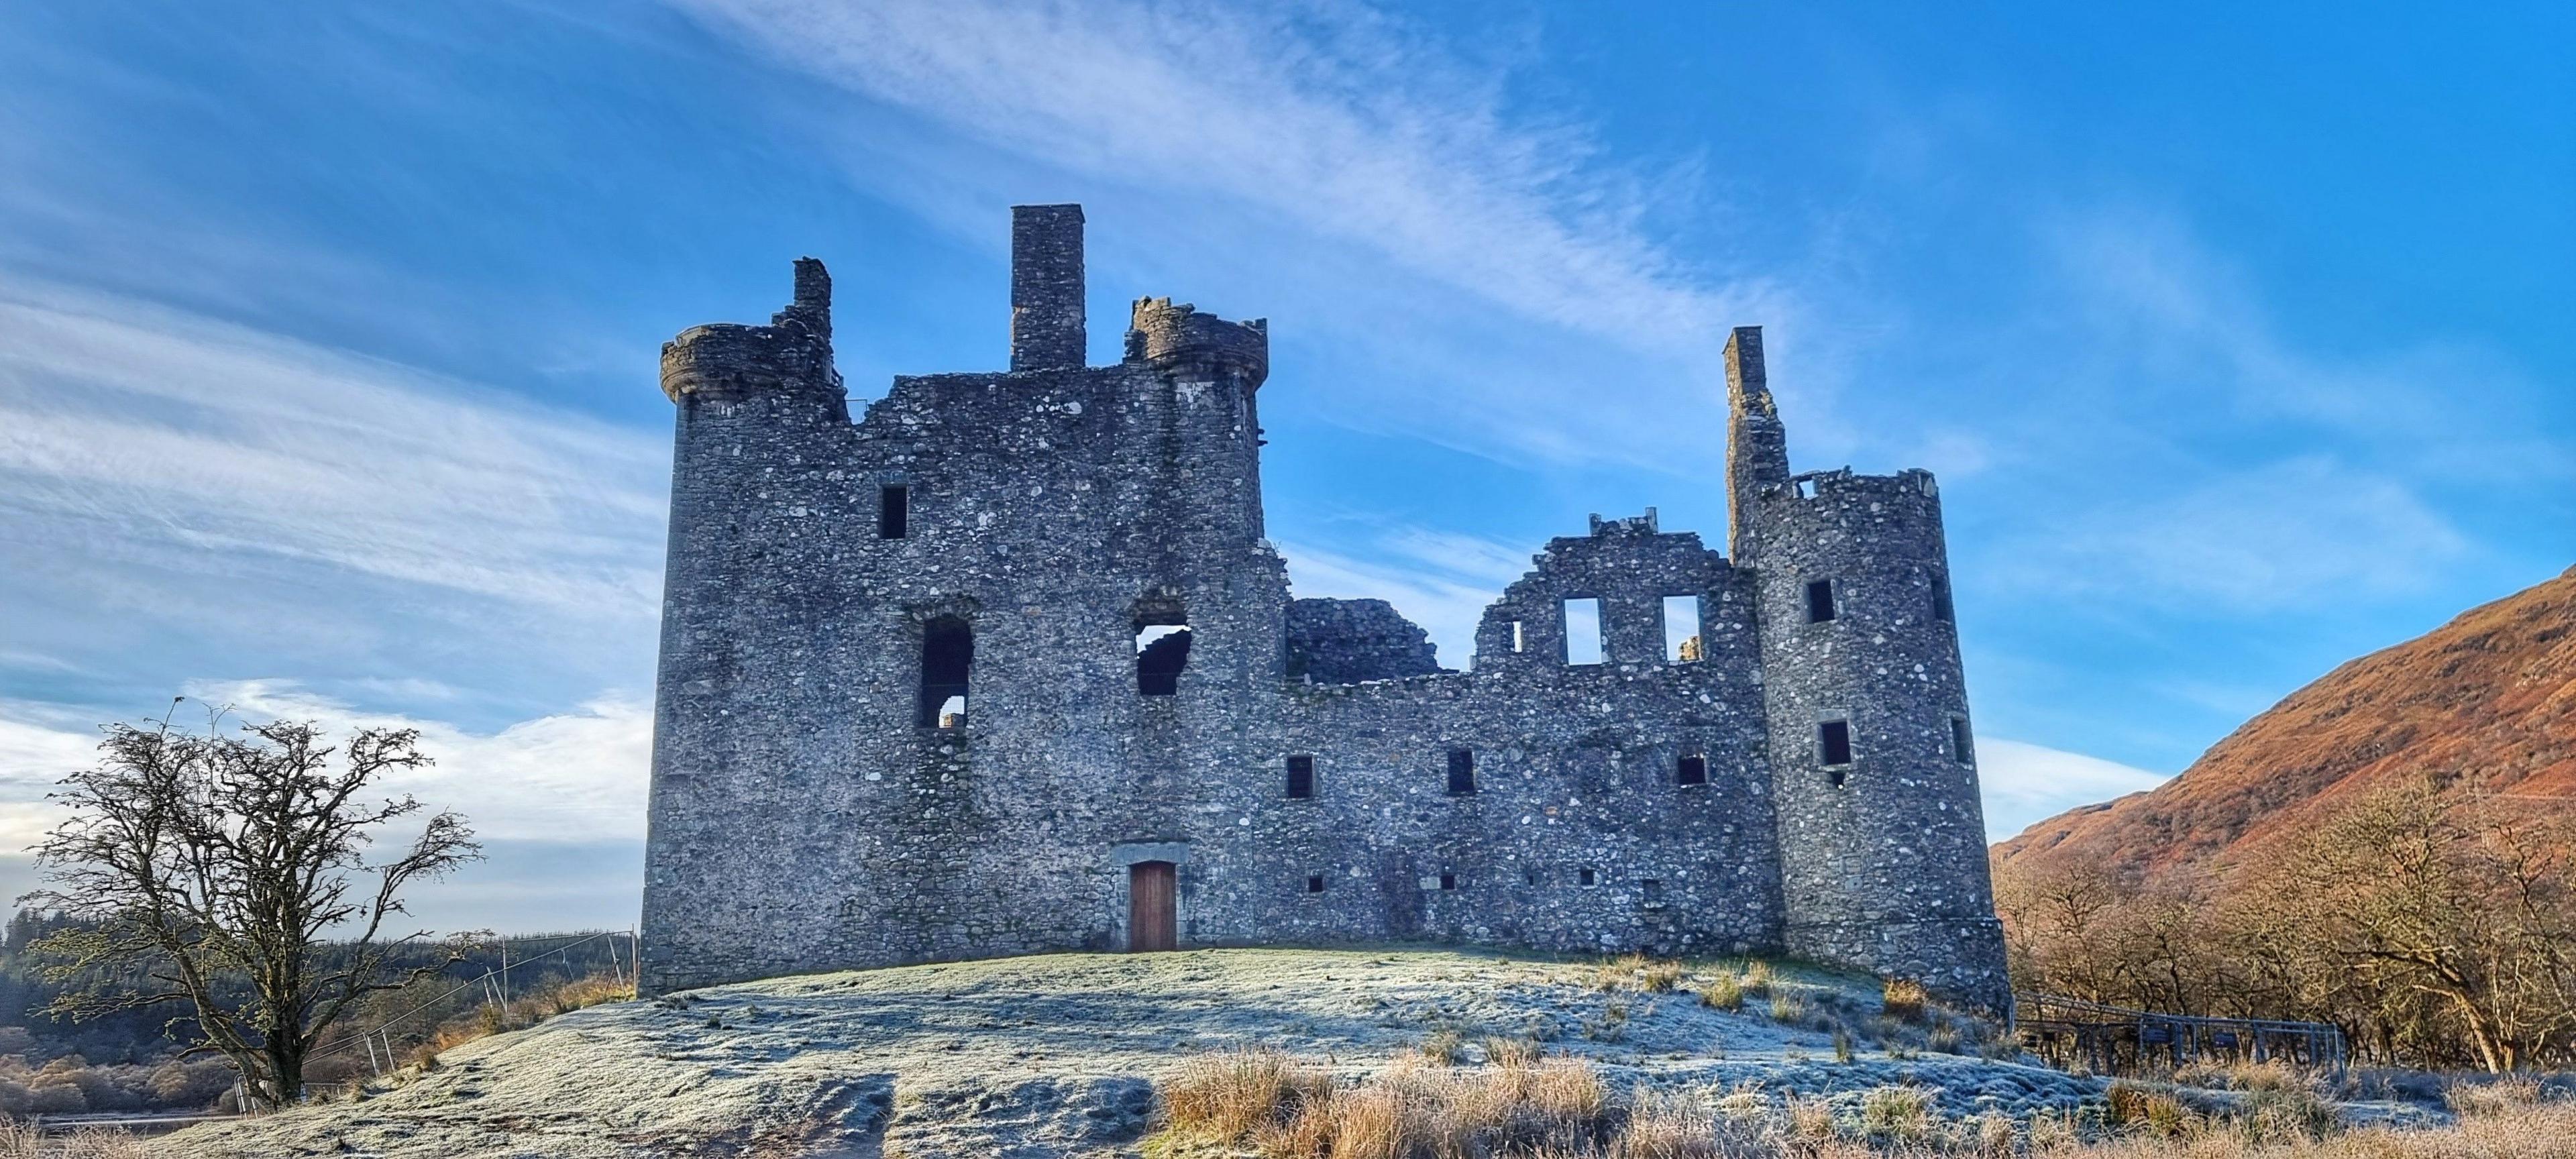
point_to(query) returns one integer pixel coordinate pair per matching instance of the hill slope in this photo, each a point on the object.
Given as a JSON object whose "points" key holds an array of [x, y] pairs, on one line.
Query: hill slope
{"points": [[2489, 697], [1050, 1055]]}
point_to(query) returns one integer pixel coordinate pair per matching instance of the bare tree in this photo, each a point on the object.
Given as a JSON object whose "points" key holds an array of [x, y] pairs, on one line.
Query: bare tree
{"points": [[206, 867]]}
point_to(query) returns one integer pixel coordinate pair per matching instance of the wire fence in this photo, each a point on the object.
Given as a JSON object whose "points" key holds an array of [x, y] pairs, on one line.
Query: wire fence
{"points": [[376, 1040], [2120, 1039]]}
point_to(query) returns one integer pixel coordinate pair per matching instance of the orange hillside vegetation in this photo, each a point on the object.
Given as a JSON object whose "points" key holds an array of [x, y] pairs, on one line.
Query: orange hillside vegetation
{"points": [[2489, 698]]}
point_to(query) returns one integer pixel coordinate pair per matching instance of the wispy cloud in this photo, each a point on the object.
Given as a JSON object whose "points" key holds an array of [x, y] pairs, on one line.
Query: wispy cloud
{"points": [[1442, 581], [2025, 783], [172, 479], [1339, 119], [166, 429], [2248, 541], [1444, 265]]}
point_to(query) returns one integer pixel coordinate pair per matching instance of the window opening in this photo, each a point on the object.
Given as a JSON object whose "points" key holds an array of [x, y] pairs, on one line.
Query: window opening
{"points": [[1162, 651], [1583, 876], [1962, 749], [1806, 488], [1301, 778], [1448, 881], [947, 652], [1462, 772], [1941, 609], [1652, 889], [1833, 742], [1681, 630], [1519, 642], [1692, 769], [1314, 883], [1583, 631], [894, 511], [1529, 877], [1820, 601]]}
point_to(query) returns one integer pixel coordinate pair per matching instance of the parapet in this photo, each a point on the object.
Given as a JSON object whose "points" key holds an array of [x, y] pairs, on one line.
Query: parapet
{"points": [[1180, 339], [728, 361]]}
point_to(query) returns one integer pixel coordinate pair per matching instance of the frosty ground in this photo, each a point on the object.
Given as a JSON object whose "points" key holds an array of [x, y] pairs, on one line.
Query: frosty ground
{"points": [[1057, 1055]]}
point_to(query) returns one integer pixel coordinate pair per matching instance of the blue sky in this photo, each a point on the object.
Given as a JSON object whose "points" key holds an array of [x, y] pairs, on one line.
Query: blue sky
{"points": [[328, 332]]}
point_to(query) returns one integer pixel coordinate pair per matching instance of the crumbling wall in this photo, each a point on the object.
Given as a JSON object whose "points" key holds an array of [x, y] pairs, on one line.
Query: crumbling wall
{"points": [[1349, 641]]}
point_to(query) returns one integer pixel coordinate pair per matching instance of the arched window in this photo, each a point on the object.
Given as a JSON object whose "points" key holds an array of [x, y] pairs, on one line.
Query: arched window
{"points": [[947, 651]]}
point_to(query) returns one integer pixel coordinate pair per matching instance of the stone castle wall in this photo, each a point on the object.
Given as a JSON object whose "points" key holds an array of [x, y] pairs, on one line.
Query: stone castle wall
{"points": [[813, 807]]}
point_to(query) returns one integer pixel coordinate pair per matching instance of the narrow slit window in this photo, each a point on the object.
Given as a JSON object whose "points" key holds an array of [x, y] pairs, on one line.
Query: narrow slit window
{"points": [[1162, 652], [1448, 881], [1833, 742], [947, 653], [1583, 631], [1941, 610], [1520, 642], [1692, 769], [1820, 601], [1584, 876], [1314, 883], [1529, 877], [1681, 630], [1462, 772], [894, 511], [1301, 778], [1962, 747]]}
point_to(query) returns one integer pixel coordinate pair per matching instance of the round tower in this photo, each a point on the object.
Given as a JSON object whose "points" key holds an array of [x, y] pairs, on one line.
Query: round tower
{"points": [[761, 414], [1873, 763]]}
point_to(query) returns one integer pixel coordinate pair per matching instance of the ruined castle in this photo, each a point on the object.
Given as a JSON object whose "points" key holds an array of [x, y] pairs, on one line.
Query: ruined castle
{"points": [[1007, 666]]}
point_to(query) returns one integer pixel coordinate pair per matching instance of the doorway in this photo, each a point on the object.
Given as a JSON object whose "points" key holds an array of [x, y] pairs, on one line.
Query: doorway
{"points": [[1150, 912]]}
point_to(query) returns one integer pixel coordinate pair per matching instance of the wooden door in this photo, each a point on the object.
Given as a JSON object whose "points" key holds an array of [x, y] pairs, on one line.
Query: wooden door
{"points": [[1149, 906]]}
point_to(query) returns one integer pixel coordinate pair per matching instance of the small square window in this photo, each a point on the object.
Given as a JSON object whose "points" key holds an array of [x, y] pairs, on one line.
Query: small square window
{"points": [[1820, 601], [1301, 778], [1833, 742], [1834, 776], [1962, 749], [1448, 881], [1529, 877], [1462, 772], [1941, 609], [1692, 769], [1652, 889], [1314, 883], [894, 511], [1584, 876]]}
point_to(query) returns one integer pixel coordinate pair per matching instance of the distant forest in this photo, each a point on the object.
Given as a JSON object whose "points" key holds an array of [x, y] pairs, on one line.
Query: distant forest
{"points": [[130, 1060]]}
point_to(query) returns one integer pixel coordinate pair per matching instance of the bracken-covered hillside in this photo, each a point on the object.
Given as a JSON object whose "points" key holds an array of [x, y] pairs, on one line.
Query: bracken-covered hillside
{"points": [[2489, 698]]}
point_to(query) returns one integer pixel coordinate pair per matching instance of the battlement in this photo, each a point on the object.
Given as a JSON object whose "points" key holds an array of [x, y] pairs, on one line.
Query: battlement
{"points": [[1177, 338], [1632, 525], [730, 361], [1843, 483]]}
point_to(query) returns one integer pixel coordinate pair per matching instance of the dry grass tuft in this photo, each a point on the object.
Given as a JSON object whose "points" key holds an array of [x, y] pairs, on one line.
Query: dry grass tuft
{"points": [[1759, 978], [1523, 1105], [1724, 992], [1900, 1113], [1903, 999], [22, 1140], [519, 1014], [1788, 1009], [2501, 1095], [1228, 1096]]}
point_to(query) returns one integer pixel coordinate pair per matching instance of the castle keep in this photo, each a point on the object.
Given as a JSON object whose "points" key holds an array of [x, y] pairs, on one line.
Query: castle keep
{"points": [[1007, 666]]}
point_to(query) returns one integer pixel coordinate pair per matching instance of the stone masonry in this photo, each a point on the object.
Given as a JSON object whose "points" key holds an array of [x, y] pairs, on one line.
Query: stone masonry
{"points": [[990, 669]]}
